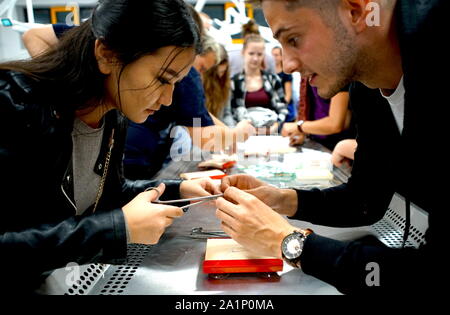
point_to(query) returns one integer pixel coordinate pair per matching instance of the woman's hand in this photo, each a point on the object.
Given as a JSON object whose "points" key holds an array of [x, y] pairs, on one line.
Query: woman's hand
{"points": [[297, 139], [295, 136], [290, 129], [274, 129], [147, 221], [243, 130], [199, 188]]}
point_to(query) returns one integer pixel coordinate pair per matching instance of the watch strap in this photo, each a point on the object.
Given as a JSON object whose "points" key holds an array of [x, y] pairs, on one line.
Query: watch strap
{"points": [[299, 125]]}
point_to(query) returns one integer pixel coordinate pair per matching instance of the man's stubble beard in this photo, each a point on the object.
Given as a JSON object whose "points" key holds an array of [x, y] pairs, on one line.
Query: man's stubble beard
{"points": [[343, 63]]}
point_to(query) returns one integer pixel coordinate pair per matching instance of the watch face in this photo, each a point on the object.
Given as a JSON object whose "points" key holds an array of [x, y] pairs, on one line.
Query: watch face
{"points": [[292, 246]]}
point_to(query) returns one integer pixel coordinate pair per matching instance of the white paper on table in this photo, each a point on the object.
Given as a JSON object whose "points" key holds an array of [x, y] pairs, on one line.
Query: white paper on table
{"points": [[263, 145]]}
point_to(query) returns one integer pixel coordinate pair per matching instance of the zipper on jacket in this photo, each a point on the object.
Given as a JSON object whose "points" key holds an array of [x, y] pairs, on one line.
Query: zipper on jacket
{"points": [[62, 188], [105, 171]]}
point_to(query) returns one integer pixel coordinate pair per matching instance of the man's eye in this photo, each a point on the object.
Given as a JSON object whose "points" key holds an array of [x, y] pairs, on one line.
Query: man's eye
{"points": [[293, 41]]}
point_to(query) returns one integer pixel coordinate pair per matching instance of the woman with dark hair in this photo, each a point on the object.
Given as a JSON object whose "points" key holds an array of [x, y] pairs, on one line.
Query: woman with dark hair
{"points": [[62, 132]]}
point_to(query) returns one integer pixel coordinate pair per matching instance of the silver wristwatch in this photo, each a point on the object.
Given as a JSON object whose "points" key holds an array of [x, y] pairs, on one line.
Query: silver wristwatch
{"points": [[292, 247], [299, 125]]}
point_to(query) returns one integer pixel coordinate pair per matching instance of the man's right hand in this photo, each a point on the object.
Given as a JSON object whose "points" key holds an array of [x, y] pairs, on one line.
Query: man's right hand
{"points": [[147, 221], [283, 201]]}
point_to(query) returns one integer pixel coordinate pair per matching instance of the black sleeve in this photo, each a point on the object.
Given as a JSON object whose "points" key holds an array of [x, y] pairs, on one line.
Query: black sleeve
{"points": [[28, 253], [37, 231], [364, 199], [366, 265]]}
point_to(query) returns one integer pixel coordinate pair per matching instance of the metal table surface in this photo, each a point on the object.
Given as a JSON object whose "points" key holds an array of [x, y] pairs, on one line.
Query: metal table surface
{"points": [[174, 265]]}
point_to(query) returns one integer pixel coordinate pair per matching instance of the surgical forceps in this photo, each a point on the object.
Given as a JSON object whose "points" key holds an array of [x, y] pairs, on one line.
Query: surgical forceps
{"points": [[199, 200]]}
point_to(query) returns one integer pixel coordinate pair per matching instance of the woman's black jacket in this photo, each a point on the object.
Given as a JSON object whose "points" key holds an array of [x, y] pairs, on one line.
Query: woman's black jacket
{"points": [[38, 227]]}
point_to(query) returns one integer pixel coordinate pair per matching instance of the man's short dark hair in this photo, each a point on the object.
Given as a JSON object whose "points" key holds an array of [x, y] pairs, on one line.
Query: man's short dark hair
{"points": [[322, 6], [296, 3]]}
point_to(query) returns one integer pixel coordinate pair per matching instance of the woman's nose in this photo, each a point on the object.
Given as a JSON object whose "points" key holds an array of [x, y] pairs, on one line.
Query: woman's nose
{"points": [[166, 96]]}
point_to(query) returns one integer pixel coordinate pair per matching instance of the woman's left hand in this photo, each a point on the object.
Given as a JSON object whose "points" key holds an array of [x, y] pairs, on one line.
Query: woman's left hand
{"points": [[199, 188]]}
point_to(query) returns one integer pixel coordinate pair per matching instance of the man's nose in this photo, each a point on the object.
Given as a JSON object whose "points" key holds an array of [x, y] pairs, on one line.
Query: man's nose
{"points": [[291, 62]]}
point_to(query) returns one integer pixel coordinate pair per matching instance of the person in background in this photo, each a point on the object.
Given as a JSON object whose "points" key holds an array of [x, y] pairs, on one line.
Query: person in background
{"points": [[38, 40], [325, 121], [236, 58], [255, 88], [66, 108], [286, 80], [217, 84]]}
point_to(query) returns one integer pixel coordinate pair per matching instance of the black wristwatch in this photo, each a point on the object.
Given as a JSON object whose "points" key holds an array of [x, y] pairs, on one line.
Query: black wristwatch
{"points": [[292, 247]]}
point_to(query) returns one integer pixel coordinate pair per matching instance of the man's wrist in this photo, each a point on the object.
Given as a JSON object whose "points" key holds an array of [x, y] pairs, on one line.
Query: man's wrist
{"points": [[296, 238], [282, 235], [290, 203]]}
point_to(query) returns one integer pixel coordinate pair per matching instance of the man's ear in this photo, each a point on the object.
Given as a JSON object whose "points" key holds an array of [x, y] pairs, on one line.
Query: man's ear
{"points": [[357, 13], [106, 59]]}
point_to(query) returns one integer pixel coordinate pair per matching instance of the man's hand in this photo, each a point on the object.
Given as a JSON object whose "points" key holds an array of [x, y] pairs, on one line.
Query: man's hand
{"points": [[283, 201], [198, 188], [252, 223], [241, 181]]}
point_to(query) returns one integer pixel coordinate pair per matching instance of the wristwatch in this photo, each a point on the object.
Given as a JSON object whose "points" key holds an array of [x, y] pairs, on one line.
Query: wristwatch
{"points": [[292, 247], [299, 125]]}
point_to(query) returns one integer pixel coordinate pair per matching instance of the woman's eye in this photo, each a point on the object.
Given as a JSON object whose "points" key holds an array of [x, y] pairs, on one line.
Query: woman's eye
{"points": [[163, 81]]}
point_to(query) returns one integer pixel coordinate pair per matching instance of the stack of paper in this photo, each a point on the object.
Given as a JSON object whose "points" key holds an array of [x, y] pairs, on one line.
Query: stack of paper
{"points": [[265, 145]]}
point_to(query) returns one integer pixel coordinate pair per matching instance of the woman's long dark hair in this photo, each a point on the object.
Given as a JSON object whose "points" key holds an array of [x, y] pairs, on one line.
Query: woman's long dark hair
{"points": [[129, 28]]}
